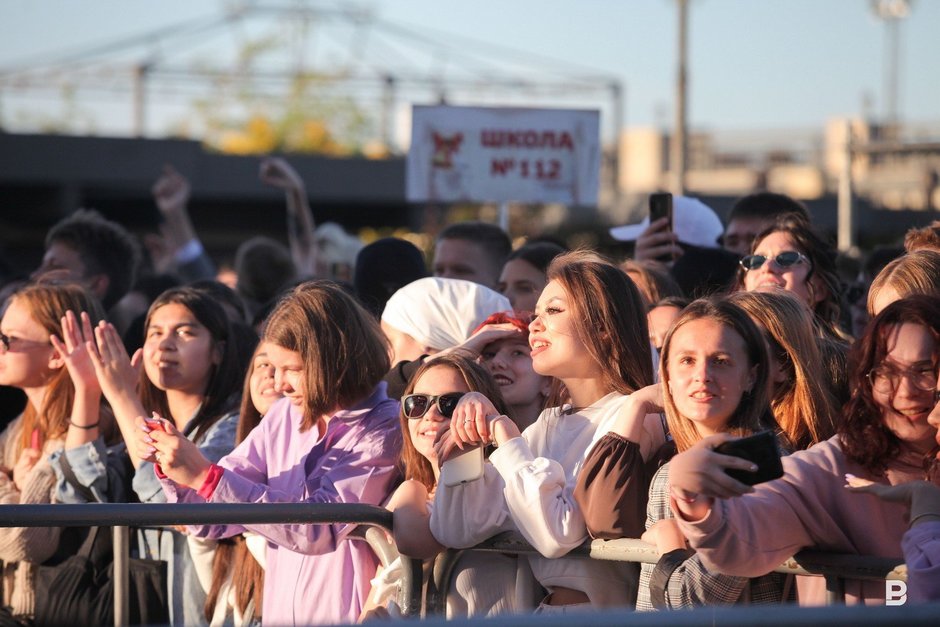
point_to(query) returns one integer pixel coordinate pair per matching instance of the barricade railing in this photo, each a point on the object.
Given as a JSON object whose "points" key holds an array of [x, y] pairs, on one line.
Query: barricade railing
{"points": [[834, 567], [121, 515]]}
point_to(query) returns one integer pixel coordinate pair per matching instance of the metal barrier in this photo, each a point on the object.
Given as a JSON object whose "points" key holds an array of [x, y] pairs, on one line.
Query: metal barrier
{"points": [[835, 567], [137, 514]]}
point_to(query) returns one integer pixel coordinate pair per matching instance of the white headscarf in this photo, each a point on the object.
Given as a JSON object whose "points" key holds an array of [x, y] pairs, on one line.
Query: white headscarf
{"points": [[441, 313]]}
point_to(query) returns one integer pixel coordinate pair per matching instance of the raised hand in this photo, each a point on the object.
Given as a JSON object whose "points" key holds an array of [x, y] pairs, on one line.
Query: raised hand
{"points": [[117, 373], [74, 351], [171, 191], [277, 172], [486, 335], [657, 242]]}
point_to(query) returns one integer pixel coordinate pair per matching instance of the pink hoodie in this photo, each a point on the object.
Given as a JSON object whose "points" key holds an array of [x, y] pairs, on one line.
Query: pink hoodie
{"points": [[806, 508]]}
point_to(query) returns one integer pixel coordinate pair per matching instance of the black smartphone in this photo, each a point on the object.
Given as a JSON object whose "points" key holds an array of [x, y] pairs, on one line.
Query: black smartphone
{"points": [[760, 448], [661, 207]]}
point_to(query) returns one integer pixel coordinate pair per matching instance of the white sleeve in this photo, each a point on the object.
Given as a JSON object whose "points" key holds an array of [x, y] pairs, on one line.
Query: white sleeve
{"points": [[467, 514], [539, 499]]}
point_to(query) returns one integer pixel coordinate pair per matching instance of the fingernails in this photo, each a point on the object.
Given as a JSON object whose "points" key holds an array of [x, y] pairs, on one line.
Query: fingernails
{"points": [[752, 468], [849, 476]]}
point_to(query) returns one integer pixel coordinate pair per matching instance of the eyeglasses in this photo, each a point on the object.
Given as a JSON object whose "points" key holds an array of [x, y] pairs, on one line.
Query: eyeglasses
{"points": [[417, 405], [783, 260], [885, 379], [8, 343]]}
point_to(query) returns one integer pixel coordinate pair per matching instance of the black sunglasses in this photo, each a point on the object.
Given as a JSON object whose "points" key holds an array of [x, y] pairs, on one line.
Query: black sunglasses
{"points": [[784, 260], [417, 405]]}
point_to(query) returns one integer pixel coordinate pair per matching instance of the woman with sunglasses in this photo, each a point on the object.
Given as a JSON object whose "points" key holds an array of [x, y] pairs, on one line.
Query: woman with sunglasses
{"points": [[789, 256], [333, 438], [589, 333], [885, 438], [33, 360], [481, 581]]}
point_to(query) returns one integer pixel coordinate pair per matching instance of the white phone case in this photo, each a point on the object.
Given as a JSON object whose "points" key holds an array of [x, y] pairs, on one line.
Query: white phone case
{"points": [[464, 467]]}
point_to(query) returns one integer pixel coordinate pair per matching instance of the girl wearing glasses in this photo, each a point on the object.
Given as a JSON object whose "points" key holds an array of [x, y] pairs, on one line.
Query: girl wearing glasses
{"points": [[56, 410], [333, 438], [427, 407], [789, 256], [885, 438], [590, 333]]}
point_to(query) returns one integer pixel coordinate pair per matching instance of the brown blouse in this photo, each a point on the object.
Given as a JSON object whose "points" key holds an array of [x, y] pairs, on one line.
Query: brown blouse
{"points": [[613, 486]]}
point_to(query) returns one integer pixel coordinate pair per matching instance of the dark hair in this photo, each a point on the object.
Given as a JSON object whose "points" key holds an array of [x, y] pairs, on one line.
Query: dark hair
{"points": [[221, 395], [679, 302], [382, 268], [105, 247], [609, 315], [537, 254], [478, 379], [753, 411], [264, 266], [231, 300], [766, 205], [490, 237], [344, 352], [866, 439], [822, 262]]}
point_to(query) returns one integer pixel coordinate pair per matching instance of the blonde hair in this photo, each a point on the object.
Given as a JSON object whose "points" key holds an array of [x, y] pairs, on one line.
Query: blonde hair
{"points": [[47, 302], [917, 272], [804, 407]]}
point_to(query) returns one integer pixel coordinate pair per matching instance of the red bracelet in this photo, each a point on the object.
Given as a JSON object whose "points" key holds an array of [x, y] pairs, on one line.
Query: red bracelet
{"points": [[684, 499]]}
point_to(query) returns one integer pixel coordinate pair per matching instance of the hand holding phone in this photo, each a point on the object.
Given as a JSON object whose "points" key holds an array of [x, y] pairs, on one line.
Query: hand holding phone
{"points": [[760, 448]]}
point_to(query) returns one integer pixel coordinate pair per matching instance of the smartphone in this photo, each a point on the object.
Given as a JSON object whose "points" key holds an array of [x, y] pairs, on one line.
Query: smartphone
{"points": [[661, 207], [760, 448], [463, 467], [155, 424]]}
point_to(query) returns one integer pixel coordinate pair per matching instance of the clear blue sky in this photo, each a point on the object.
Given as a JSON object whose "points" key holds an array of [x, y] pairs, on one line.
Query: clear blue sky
{"points": [[753, 63]]}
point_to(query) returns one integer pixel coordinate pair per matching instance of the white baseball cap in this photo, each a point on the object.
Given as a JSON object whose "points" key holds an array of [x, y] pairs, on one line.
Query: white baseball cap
{"points": [[692, 220]]}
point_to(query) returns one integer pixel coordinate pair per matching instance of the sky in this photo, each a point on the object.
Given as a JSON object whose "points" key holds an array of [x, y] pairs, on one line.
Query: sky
{"points": [[753, 64]]}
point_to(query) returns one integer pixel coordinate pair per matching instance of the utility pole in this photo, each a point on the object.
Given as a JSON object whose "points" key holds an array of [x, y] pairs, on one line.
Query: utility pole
{"points": [[679, 140], [140, 98], [891, 12]]}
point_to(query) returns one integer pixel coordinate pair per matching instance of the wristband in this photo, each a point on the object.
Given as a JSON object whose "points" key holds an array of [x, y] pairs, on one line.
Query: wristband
{"points": [[86, 427]]}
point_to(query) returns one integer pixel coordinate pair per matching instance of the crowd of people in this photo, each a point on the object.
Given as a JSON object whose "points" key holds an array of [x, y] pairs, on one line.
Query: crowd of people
{"points": [[585, 397]]}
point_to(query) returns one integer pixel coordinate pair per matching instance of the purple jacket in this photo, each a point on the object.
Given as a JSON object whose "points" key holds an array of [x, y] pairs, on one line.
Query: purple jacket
{"points": [[312, 576]]}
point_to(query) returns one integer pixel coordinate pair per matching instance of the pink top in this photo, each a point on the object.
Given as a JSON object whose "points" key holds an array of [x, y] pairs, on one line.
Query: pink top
{"points": [[806, 508]]}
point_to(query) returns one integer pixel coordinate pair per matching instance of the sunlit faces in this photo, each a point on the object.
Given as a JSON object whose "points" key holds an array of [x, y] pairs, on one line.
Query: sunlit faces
{"points": [[708, 373], [771, 276], [462, 259], [659, 320], [179, 352], [510, 364], [27, 363], [521, 283], [288, 373], [911, 347], [261, 381], [424, 430], [557, 348]]}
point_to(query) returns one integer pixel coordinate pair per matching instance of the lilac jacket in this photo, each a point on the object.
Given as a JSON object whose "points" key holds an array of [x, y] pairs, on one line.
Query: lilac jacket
{"points": [[312, 576]]}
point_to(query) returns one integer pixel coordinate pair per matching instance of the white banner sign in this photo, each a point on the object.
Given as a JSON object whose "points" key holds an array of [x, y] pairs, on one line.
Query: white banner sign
{"points": [[483, 154]]}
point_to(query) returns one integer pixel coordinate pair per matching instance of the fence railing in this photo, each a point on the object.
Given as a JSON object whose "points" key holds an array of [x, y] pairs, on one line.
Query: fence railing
{"points": [[122, 515], [836, 568]]}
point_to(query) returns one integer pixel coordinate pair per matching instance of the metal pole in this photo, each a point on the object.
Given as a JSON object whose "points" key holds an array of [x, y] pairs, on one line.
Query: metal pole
{"points": [[616, 96], [678, 147], [846, 227], [121, 545], [140, 96]]}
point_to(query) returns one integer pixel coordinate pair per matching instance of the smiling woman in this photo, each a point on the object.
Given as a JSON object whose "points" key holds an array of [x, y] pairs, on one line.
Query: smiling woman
{"points": [[885, 438]]}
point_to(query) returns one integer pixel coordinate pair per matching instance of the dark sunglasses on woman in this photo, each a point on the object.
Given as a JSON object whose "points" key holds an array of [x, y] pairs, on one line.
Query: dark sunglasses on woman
{"points": [[783, 260], [417, 405]]}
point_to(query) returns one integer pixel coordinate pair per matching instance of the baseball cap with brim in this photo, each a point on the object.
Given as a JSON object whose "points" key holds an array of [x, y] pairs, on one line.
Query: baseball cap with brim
{"points": [[693, 221]]}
